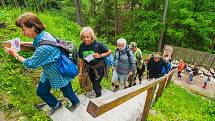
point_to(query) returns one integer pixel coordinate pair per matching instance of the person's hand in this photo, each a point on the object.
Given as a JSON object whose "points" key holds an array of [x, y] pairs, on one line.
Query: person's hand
{"points": [[97, 55], [12, 51], [130, 73]]}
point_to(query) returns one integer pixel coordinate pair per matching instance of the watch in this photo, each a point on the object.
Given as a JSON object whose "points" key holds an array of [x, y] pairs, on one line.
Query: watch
{"points": [[17, 56]]}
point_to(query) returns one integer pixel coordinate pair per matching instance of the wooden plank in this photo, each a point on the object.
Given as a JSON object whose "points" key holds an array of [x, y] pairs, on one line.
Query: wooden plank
{"points": [[148, 102], [101, 105], [161, 88], [25, 46]]}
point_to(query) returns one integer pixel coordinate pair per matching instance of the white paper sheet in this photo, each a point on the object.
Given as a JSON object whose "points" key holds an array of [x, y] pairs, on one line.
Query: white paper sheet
{"points": [[15, 43], [89, 58]]}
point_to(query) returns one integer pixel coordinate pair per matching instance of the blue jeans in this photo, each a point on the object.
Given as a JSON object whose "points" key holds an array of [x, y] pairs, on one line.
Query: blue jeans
{"points": [[43, 91]]}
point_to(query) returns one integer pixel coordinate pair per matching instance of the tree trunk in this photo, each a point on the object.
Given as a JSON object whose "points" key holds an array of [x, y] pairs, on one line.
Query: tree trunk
{"points": [[3, 4], [78, 12], [116, 18], [92, 11], [26, 4], [37, 5], [106, 15], [16, 3], [164, 23]]}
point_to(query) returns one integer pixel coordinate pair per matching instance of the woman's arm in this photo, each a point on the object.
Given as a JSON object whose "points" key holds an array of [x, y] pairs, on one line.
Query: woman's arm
{"points": [[97, 55], [81, 65], [106, 54], [12, 51]]}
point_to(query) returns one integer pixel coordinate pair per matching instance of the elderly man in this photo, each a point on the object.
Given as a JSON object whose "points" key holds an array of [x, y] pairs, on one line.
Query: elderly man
{"points": [[155, 65], [124, 64]]}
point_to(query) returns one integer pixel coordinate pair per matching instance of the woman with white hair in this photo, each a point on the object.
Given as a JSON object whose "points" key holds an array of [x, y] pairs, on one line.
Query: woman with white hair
{"points": [[92, 53], [124, 64]]}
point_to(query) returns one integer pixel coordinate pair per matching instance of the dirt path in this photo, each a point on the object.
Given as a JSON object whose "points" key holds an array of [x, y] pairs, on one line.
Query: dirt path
{"points": [[196, 87]]}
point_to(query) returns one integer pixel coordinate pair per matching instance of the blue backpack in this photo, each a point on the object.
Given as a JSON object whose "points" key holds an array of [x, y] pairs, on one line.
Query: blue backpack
{"points": [[67, 62], [109, 60]]}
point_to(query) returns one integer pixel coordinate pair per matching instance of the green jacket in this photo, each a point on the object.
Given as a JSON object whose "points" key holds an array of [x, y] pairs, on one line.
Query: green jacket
{"points": [[138, 58]]}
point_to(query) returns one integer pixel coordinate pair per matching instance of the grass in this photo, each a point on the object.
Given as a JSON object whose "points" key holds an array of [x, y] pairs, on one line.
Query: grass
{"points": [[176, 104], [18, 85]]}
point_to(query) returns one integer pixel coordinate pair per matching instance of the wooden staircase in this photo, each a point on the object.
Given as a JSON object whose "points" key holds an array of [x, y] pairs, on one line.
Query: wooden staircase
{"points": [[131, 104], [127, 111]]}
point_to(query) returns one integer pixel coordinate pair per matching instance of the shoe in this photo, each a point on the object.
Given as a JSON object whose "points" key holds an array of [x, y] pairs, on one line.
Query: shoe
{"points": [[134, 84], [52, 110], [126, 87], [73, 107], [140, 81], [116, 89], [98, 95]]}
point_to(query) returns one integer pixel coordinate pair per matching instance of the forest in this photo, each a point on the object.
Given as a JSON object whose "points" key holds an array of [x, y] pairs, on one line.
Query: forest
{"points": [[150, 23], [184, 23]]}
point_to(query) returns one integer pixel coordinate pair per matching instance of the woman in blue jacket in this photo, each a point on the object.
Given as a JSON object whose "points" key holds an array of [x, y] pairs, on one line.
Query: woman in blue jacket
{"points": [[47, 57]]}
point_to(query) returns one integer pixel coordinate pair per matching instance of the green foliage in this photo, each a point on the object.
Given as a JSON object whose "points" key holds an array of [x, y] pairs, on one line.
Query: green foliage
{"points": [[17, 84], [178, 104]]}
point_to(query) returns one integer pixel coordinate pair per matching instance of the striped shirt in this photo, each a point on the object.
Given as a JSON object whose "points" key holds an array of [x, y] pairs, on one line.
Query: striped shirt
{"points": [[47, 56]]}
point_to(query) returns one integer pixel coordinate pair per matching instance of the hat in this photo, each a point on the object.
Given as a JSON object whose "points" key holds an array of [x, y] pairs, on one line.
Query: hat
{"points": [[133, 45]]}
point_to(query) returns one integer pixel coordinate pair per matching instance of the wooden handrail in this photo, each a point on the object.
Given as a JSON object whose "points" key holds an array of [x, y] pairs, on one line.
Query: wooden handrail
{"points": [[25, 46], [164, 84], [101, 105]]}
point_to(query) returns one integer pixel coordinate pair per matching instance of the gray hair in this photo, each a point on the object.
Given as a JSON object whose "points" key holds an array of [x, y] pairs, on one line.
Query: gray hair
{"points": [[90, 30], [121, 40]]}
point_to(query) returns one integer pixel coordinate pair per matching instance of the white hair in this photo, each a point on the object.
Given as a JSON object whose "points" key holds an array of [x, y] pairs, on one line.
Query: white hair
{"points": [[90, 30], [121, 40]]}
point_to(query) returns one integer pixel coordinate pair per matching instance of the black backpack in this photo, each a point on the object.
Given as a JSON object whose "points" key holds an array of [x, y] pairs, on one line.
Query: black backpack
{"points": [[127, 53], [66, 47]]}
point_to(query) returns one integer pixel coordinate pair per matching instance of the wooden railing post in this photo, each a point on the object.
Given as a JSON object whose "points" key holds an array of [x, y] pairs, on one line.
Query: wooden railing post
{"points": [[169, 77], [148, 102], [161, 88]]}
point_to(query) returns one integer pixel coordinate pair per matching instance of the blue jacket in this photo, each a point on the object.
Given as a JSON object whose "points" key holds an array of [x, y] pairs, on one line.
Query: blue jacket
{"points": [[46, 56]]}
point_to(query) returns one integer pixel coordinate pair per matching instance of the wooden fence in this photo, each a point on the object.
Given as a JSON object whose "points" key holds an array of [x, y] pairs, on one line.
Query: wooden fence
{"points": [[193, 56], [99, 106]]}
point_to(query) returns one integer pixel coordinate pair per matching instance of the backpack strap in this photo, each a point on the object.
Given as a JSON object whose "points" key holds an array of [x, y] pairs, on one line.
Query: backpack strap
{"points": [[57, 44]]}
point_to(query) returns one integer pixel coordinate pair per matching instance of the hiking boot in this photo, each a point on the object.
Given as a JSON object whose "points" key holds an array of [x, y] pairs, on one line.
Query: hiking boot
{"points": [[140, 81], [99, 95], [116, 89], [125, 87], [52, 110], [73, 107], [134, 84]]}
